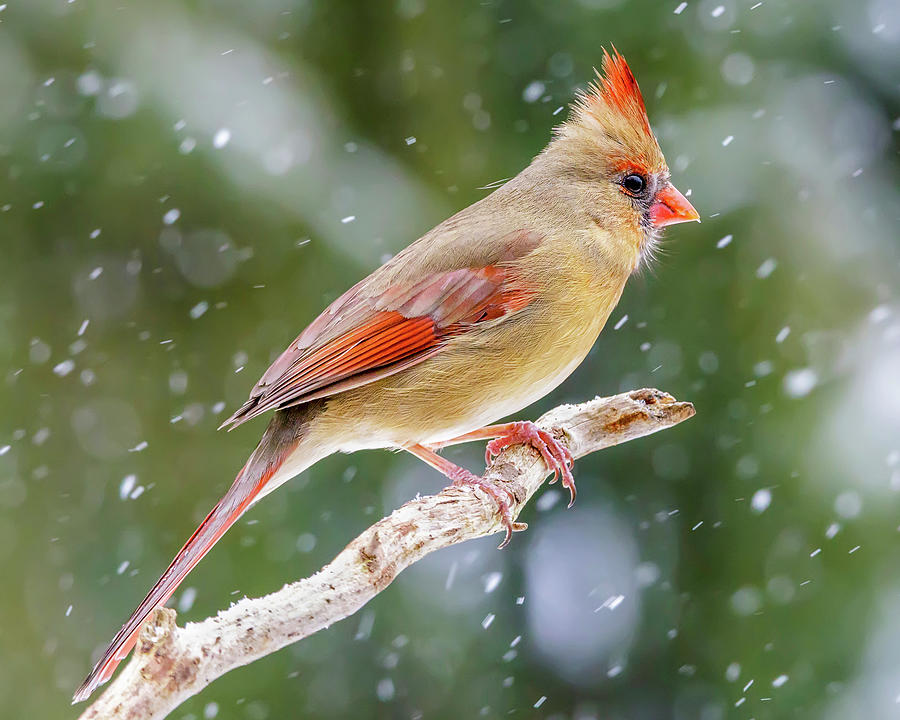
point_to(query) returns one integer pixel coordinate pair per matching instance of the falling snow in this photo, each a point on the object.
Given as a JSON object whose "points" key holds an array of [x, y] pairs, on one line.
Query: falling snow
{"points": [[761, 500], [199, 309], [385, 690], [767, 268], [801, 382], [186, 601], [126, 486], [533, 91], [64, 368], [221, 138], [492, 581]]}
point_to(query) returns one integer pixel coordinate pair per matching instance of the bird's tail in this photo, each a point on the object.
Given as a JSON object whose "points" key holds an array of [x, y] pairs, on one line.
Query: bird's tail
{"points": [[265, 469]]}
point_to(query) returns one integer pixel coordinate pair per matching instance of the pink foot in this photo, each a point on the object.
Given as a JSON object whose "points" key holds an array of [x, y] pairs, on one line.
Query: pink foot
{"points": [[503, 497], [555, 454]]}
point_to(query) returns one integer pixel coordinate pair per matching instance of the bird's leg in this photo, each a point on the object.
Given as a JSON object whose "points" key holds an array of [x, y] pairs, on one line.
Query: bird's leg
{"points": [[460, 476], [555, 454]]}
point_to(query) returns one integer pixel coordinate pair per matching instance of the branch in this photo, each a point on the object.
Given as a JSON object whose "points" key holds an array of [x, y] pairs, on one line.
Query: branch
{"points": [[170, 664]]}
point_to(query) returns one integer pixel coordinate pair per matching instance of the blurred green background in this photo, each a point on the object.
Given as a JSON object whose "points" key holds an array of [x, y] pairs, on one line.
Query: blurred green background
{"points": [[184, 185]]}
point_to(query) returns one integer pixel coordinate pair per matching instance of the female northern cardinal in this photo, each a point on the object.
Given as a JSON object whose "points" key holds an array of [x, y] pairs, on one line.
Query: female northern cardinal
{"points": [[483, 315]]}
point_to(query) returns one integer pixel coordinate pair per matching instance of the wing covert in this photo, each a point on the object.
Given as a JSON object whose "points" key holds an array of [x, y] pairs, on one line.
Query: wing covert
{"points": [[368, 334]]}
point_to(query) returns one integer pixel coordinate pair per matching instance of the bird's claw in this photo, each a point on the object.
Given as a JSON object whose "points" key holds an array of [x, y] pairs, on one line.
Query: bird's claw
{"points": [[555, 454], [500, 495]]}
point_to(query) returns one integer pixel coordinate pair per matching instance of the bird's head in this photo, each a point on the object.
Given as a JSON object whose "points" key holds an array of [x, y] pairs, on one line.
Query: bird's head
{"points": [[611, 154]]}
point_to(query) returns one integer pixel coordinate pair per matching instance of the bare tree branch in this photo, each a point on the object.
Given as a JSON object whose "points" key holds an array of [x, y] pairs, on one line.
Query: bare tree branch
{"points": [[170, 664]]}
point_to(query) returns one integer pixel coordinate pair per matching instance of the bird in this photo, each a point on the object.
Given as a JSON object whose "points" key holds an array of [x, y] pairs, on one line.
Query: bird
{"points": [[482, 316]]}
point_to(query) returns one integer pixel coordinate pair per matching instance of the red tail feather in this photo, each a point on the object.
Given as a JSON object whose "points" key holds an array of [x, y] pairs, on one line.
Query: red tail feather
{"points": [[254, 476]]}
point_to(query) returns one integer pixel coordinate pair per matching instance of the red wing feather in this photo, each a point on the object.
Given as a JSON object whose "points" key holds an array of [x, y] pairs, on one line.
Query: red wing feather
{"points": [[385, 339], [360, 339]]}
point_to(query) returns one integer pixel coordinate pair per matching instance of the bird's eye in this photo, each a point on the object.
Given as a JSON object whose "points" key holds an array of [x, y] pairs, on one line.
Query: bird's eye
{"points": [[634, 184]]}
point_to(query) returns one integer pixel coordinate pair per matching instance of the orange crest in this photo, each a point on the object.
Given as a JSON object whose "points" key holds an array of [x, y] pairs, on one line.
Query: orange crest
{"points": [[617, 91], [620, 89]]}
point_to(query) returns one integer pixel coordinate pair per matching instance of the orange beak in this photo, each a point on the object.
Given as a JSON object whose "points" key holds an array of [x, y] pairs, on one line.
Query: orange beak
{"points": [[671, 207]]}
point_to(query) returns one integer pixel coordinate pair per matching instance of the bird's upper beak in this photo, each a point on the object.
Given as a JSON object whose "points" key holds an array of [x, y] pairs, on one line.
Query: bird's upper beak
{"points": [[670, 207]]}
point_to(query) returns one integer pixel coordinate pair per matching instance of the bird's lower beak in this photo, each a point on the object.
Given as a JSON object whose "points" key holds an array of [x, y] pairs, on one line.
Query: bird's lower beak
{"points": [[670, 207]]}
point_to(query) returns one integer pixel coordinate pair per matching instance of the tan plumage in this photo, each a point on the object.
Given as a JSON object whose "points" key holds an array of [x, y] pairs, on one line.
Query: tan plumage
{"points": [[480, 317]]}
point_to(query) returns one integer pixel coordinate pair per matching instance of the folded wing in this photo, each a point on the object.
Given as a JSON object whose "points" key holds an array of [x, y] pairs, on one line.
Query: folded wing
{"points": [[364, 336]]}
